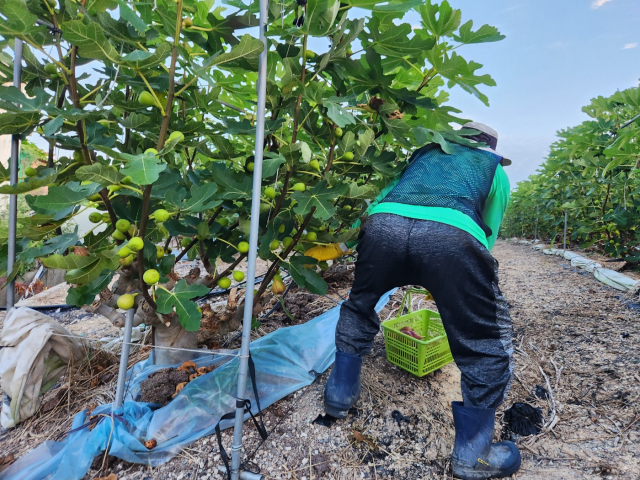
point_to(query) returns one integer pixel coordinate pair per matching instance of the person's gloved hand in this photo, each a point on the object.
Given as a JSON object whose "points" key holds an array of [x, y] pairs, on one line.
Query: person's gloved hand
{"points": [[328, 252]]}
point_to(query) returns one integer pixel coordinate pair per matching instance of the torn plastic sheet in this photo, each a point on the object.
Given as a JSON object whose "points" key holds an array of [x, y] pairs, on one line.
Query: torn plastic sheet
{"points": [[584, 263], [615, 279], [570, 255], [286, 360]]}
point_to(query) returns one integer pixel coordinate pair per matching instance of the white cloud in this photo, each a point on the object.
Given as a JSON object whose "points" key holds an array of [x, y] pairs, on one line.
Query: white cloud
{"points": [[599, 3], [630, 45]]}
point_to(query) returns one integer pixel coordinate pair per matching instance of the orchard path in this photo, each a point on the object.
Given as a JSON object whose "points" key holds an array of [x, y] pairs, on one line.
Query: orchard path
{"points": [[576, 329]]}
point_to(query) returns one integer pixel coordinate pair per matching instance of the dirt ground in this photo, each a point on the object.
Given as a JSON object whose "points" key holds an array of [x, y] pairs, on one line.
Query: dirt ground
{"points": [[573, 337]]}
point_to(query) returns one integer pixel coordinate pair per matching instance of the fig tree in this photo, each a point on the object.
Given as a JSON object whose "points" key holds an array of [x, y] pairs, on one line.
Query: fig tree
{"points": [[126, 301], [95, 217], [161, 215], [51, 68], [136, 244], [126, 261], [270, 193], [123, 225], [176, 135], [147, 99], [238, 276], [151, 277]]}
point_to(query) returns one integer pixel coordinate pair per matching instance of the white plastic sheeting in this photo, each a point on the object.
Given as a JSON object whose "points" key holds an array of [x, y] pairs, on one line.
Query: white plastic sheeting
{"points": [[615, 279], [585, 263], [607, 276], [569, 255], [32, 360]]}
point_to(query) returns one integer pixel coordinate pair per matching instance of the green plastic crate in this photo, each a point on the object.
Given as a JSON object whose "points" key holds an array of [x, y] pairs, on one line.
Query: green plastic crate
{"points": [[419, 357]]}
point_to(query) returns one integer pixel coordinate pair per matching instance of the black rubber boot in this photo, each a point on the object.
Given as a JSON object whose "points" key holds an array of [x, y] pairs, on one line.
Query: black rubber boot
{"points": [[474, 456], [343, 387]]}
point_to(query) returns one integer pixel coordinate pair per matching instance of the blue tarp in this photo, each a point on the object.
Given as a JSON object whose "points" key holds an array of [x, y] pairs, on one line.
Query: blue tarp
{"points": [[286, 360]]}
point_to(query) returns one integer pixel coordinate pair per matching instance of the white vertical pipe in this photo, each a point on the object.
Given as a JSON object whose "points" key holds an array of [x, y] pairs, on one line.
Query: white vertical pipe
{"points": [[13, 179], [124, 359], [565, 231], [236, 448]]}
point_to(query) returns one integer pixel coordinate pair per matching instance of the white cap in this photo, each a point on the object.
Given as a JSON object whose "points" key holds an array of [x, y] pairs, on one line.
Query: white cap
{"points": [[482, 127], [492, 145]]}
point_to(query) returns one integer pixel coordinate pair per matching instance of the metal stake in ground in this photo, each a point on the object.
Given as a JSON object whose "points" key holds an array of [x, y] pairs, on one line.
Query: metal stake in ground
{"points": [[565, 231], [236, 448], [124, 359], [13, 179]]}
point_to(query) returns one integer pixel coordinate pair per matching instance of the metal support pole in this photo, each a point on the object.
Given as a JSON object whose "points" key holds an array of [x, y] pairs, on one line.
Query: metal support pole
{"points": [[244, 475], [13, 179], [535, 234], [565, 231], [236, 448], [124, 359]]}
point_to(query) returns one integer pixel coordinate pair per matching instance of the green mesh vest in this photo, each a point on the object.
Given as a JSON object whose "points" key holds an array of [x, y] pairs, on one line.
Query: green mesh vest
{"points": [[461, 181]]}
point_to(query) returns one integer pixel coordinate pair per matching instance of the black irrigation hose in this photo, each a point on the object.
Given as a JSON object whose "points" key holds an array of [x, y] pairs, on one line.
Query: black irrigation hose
{"points": [[45, 307], [335, 291]]}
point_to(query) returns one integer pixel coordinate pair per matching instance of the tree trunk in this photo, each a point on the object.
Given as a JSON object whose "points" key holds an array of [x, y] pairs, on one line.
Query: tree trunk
{"points": [[173, 336]]}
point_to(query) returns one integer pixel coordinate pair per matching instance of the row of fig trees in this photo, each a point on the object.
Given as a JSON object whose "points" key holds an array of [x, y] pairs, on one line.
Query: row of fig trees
{"points": [[152, 106], [592, 173]]}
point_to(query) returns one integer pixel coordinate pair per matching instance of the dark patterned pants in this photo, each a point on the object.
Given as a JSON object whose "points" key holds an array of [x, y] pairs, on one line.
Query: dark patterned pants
{"points": [[462, 276]]}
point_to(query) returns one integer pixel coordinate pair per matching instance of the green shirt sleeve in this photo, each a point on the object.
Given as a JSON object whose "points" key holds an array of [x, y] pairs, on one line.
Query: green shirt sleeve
{"points": [[496, 204]]}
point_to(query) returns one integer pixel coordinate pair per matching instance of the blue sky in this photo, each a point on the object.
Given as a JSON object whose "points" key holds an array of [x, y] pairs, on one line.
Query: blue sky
{"points": [[556, 57]]}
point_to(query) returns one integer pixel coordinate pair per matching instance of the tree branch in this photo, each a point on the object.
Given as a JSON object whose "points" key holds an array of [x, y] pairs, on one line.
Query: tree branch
{"points": [[296, 116], [331, 154], [210, 283], [285, 186], [195, 240], [273, 269], [161, 139]]}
